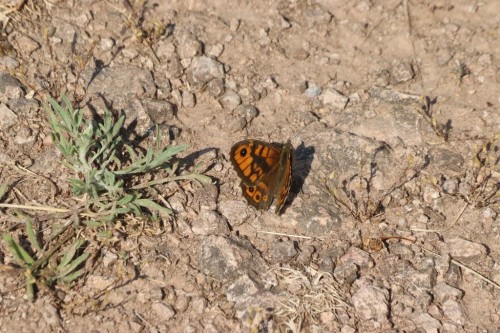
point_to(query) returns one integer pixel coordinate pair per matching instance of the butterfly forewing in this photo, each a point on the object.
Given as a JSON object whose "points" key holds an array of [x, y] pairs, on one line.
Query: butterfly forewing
{"points": [[265, 172], [252, 159]]}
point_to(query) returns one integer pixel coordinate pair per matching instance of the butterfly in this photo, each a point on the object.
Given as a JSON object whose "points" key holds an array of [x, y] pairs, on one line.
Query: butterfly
{"points": [[265, 170]]}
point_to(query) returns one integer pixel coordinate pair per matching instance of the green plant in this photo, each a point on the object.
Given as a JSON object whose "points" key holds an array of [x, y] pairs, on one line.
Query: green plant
{"points": [[104, 164], [106, 178], [39, 268]]}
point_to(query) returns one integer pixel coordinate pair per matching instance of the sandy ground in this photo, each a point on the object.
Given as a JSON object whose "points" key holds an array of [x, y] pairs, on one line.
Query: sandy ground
{"points": [[393, 109]]}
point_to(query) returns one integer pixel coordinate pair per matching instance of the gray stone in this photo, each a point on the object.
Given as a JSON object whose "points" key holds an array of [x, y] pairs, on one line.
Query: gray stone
{"points": [[248, 95], [106, 44], [442, 264], [189, 47], [283, 251], [450, 328], [453, 276], [403, 72], [243, 287], [300, 86], [135, 112], [430, 194], [270, 83], [426, 323], [398, 309], [400, 249], [435, 311], [372, 304], [216, 87], [316, 15], [204, 69], [335, 99], [359, 257], [313, 91], [443, 56], [176, 97], [383, 77], [9, 62], [98, 282], [182, 303], [51, 315], [444, 159], [283, 22], [393, 96], [296, 53], [10, 88], [160, 112], [237, 124], [24, 135], [249, 112], [199, 304], [164, 312], [234, 24], [133, 327], [442, 292], [109, 258], [164, 87], [347, 272], [206, 199], [166, 49], [454, 312], [26, 45], [423, 298], [23, 106], [118, 85], [423, 279], [465, 251], [175, 68], [148, 295], [305, 255], [7, 117], [263, 38], [188, 99], [215, 50], [222, 258], [236, 211], [209, 222], [489, 213], [450, 186], [130, 53], [347, 329], [320, 219], [230, 100]]}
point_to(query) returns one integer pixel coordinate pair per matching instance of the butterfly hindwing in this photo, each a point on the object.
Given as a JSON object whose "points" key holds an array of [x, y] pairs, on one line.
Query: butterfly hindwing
{"points": [[257, 195]]}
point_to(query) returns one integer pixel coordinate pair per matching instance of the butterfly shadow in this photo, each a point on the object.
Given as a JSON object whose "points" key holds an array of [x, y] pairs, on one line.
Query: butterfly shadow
{"points": [[303, 158]]}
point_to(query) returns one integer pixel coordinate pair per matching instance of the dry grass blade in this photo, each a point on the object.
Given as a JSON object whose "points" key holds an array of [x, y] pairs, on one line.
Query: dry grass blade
{"points": [[470, 270], [282, 234], [311, 294]]}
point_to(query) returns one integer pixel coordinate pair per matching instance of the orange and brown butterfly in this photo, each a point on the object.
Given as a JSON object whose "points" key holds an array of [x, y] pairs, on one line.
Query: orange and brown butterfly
{"points": [[265, 170]]}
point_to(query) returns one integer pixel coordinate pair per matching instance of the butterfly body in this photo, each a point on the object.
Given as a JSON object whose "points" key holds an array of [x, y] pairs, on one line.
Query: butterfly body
{"points": [[265, 170]]}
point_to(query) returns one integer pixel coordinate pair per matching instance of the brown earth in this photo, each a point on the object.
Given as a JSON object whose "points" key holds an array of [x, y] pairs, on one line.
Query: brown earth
{"points": [[393, 108]]}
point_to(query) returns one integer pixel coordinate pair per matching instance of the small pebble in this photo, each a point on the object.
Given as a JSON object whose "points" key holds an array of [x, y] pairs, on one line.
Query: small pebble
{"points": [[230, 100], [313, 91]]}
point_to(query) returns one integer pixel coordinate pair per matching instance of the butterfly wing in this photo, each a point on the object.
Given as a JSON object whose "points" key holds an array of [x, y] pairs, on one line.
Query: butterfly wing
{"points": [[284, 174], [256, 163]]}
